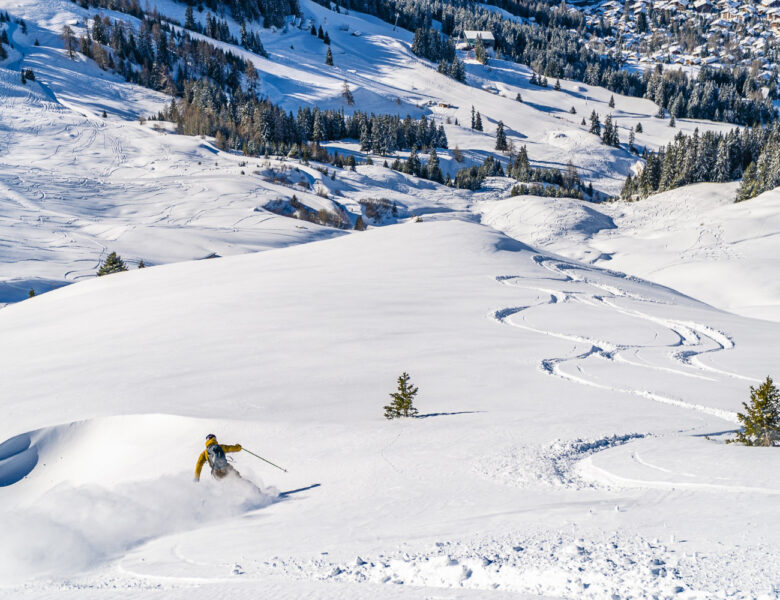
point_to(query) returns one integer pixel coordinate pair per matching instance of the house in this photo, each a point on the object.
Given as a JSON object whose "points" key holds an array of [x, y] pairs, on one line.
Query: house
{"points": [[703, 6], [472, 36]]}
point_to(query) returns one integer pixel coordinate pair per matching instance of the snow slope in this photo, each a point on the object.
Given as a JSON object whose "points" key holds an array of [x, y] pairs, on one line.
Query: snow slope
{"points": [[694, 239], [531, 369], [78, 186]]}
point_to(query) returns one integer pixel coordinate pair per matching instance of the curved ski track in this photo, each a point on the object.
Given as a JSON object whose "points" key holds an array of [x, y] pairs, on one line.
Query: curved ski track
{"points": [[680, 358]]}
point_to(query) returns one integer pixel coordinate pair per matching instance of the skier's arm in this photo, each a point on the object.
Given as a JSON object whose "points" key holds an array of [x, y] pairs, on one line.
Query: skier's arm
{"points": [[234, 448], [199, 466]]}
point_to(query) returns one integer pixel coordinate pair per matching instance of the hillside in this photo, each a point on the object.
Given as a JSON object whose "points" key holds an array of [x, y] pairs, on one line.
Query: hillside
{"points": [[523, 370], [580, 363]]}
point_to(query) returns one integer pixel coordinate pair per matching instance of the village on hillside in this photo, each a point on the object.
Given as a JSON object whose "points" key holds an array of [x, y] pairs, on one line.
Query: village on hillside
{"points": [[695, 33]]}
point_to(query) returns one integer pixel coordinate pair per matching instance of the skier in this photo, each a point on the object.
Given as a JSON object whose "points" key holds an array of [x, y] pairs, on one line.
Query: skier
{"points": [[215, 455]]}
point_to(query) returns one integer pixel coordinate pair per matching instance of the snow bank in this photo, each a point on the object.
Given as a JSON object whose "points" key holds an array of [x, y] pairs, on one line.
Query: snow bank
{"points": [[73, 528]]}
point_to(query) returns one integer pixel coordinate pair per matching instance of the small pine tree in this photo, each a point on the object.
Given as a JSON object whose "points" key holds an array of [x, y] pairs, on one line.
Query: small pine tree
{"points": [[104, 115], [519, 97], [557, 85], [329, 58], [672, 122], [761, 419], [112, 264], [31, 293], [612, 102], [142, 264], [501, 137], [478, 122], [402, 403], [638, 127], [360, 225], [572, 111]]}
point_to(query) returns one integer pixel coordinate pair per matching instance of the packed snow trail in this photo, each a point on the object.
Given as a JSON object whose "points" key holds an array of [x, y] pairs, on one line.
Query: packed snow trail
{"points": [[616, 364]]}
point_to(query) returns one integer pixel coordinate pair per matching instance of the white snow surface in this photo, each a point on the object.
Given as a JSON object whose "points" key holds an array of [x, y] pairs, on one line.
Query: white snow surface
{"points": [[571, 441]]}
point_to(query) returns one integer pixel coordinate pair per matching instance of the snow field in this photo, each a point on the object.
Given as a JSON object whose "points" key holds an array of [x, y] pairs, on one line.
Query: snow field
{"points": [[494, 465]]}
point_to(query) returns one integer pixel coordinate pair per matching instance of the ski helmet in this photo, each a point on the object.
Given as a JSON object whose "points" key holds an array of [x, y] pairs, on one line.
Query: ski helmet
{"points": [[211, 436]]}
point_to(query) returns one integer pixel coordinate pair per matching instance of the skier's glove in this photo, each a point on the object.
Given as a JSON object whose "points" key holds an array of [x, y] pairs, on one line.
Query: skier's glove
{"points": [[239, 447]]}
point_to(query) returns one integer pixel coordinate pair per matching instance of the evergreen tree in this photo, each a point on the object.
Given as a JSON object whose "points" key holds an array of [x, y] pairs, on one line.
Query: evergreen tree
{"points": [[112, 264], [761, 419], [479, 51], [501, 143], [557, 85], [473, 122], [612, 101], [595, 124], [402, 404], [519, 97], [326, 38], [329, 58], [141, 264], [347, 94], [672, 122], [433, 170], [31, 293], [360, 225], [189, 20], [639, 127], [572, 111], [478, 122]]}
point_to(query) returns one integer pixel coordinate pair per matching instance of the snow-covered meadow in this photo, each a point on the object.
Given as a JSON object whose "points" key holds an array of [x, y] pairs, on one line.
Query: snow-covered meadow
{"points": [[573, 418]]}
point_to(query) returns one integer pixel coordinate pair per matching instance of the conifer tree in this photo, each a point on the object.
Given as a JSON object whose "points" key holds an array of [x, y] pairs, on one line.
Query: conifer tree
{"points": [[347, 94], [478, 122], [112, 264], [612, 101], [501, 137], [572, 111], [672, 122], [31, 293], [639, 127], [402, 404], [433, 170], [557, 85], [761, 419], [329, 58], [595, 124], [360, 225], [141, 264], [479, 51], [189, 20], [473, 122]]}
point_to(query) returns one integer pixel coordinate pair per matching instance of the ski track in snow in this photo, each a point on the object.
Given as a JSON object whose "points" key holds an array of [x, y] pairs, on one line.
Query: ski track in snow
{"points": [[682, 359]]}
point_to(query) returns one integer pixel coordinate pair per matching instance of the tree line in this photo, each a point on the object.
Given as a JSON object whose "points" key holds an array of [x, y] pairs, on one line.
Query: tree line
{"points": [[752, 154]]}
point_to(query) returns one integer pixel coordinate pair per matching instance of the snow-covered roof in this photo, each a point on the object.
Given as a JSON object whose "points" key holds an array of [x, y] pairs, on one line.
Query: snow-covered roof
{"points": [[471, 34]]}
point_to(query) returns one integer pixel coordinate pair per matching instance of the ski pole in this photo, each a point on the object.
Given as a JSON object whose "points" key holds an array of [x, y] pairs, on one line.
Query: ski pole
{"points": [[261, 458]]}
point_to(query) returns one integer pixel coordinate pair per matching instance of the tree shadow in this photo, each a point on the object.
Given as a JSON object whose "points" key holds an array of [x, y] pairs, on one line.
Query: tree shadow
{"points": [[448, 414], [289, 493]]}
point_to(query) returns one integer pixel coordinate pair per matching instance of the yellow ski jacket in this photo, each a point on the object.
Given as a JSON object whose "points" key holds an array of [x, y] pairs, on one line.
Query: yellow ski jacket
{"points": [[204, 456]]}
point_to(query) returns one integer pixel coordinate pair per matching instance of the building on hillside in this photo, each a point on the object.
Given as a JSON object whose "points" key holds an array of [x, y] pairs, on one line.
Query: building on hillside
{"points": [[471, 37]]}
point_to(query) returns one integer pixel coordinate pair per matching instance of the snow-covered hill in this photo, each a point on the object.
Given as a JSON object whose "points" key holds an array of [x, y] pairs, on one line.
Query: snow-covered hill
{"points": [[694, 239], [573, 417], [557, 402], [79, 185]]}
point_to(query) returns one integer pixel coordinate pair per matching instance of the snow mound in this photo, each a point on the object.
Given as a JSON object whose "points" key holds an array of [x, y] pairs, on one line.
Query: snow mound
{"points": [[73, 528]]}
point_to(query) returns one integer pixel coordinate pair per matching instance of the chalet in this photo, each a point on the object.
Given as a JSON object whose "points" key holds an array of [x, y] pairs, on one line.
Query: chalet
{"points": [[703, 6], [487, 38]]}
